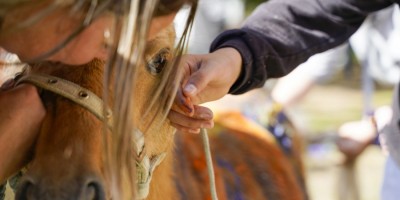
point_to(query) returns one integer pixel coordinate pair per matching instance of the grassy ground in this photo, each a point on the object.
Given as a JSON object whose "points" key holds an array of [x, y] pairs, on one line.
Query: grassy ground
{"points": [[323, 175], [326, 107]]}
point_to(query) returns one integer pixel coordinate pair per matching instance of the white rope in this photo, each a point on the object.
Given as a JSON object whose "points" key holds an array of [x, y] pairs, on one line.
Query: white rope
{"points": [[210, 168]]}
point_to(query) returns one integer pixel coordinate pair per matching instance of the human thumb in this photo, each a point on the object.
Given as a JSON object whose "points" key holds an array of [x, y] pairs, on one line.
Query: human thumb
{"points": [[190, 90], [196, 83]]}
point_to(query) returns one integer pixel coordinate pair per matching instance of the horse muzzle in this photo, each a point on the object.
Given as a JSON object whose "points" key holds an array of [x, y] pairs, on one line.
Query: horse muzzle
{"points": [[88, 188]]}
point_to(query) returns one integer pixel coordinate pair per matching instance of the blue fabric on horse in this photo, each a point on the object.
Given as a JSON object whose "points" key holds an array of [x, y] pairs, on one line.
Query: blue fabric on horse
{"points": [[277, 126], [234, 191]]}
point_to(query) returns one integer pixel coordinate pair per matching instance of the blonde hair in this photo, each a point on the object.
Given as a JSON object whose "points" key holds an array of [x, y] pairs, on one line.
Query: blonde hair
{"points": [[126, 51]]}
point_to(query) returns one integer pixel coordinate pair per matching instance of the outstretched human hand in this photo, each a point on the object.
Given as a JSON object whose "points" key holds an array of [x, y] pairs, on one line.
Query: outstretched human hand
{"points": [[206, 78], [209, 77]]}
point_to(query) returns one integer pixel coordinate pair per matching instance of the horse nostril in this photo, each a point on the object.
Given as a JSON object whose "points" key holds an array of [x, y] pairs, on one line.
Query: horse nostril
{"points": [[94, 191], [26, 190]]}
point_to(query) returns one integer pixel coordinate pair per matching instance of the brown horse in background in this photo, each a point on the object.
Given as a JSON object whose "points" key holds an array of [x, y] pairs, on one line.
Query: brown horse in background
{"points": [[248, 161], [68, 161]]}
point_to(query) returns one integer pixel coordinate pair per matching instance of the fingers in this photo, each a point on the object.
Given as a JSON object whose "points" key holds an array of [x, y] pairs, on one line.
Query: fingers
{"points": [[210, 76], [354, 137], [184, 129], [196, 83], [196, 76], [203, 113], [184, 103], [202, 118]]}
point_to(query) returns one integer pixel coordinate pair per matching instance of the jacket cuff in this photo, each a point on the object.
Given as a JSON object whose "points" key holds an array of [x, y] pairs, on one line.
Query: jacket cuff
{"points": [[233, 39]]}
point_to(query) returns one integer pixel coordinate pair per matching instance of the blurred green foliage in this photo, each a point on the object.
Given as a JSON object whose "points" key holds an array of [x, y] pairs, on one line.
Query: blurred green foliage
{"points": [[251, 4]]}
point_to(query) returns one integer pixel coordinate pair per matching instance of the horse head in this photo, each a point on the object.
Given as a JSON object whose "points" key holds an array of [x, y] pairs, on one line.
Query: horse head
{"points": [[69, 156]]}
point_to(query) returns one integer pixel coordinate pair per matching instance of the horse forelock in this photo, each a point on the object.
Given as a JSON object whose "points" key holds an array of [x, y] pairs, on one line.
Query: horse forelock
{"points": [[165, 90]]}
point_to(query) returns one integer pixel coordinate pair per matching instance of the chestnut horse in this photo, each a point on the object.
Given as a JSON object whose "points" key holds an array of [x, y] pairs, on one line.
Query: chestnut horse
{"points": [[248, 161], [68, 161]]}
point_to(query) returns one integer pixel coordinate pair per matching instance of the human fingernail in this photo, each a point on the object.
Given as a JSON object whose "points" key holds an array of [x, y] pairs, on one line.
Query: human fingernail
{"points": [[207, 124], [190, 89], [205, 116], [195, 131], [185, 105]]}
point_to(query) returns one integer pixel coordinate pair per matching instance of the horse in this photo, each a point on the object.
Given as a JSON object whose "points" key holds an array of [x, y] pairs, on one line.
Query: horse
{"points": [[69, 157], [249, 163]]}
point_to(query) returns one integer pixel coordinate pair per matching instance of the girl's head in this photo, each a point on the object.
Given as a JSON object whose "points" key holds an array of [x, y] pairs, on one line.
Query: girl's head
{"points": [[76, 31]]}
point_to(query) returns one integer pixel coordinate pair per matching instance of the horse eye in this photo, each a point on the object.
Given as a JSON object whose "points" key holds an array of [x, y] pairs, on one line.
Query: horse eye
{"points": [[158, 62]]}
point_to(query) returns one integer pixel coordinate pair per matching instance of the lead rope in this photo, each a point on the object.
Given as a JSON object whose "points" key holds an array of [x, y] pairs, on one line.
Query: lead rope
{"points": [[210, 169]]}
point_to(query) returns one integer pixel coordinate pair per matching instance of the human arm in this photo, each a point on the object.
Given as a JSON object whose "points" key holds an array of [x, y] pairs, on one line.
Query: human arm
{"points": [[21, 115], [277, 37], [281, 34]]}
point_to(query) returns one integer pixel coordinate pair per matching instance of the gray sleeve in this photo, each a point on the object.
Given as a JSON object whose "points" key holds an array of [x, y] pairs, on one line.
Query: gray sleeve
{"points": [[281, 34]]}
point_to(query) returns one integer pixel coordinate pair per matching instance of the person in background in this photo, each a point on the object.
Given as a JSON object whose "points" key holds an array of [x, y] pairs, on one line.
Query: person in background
{"points": [[374, 45], [212, 17]]}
